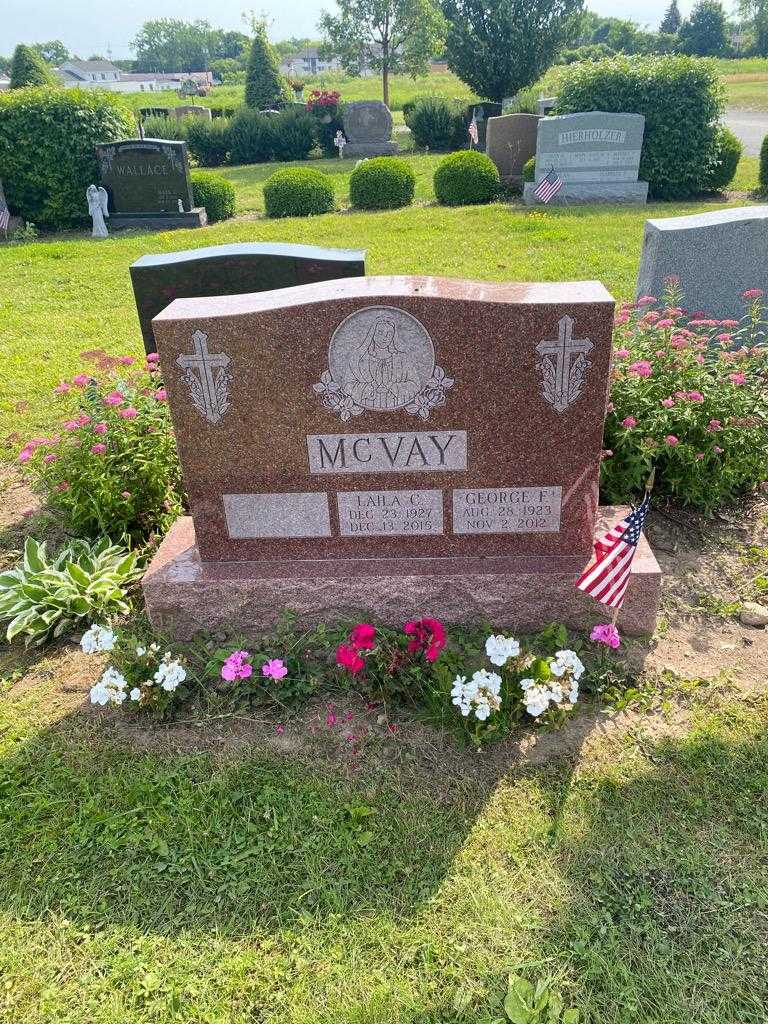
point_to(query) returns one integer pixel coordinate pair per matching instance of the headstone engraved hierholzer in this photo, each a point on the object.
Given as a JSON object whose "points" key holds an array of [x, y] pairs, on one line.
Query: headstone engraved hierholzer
{"points": [[345, 447]]}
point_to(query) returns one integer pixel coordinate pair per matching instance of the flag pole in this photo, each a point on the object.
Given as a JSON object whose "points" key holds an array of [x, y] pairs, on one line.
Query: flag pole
{"points": [[648, 488]]}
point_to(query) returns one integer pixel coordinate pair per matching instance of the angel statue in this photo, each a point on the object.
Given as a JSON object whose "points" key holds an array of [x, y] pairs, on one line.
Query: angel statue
{"points": [[98, 201]]}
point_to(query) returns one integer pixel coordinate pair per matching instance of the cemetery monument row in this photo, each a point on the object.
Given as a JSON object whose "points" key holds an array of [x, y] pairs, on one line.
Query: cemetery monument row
{"points": [[346, 447], [148, 184], [231, 270], [596, 155]]}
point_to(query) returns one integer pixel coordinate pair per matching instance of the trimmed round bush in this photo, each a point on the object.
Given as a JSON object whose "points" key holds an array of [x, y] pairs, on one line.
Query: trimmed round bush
{"points": [[529, 169], [251, 137], [298, 192], [681, 98], [47, 149], [382, 183], [215, 193], [208, 141], [728, 153], [763, 176], [437, 123], [464, 178]]}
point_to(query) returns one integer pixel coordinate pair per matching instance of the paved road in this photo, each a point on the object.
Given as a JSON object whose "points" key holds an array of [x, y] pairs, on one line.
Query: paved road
{"points": [[751, 126]]}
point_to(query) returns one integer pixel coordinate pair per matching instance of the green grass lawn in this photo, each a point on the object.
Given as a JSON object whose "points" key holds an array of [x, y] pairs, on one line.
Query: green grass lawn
{"points": [[61, 296]]}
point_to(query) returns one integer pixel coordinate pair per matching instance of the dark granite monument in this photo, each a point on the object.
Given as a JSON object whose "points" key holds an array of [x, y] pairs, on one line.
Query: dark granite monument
{"points": [[233, 270], [148, 184], [345, 449], [481, 112]]}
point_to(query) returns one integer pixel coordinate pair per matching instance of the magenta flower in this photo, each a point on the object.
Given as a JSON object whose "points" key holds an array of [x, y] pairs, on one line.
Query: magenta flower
{"points": [[99, 448], [25, 455], [49, 458], [129, 413], [100, 428], [622, 353], [668, 403], [280, 729], [274, 669], [672, 440], [347, 657], [629, 421], [725, 339], [153, 357], [237, 666], [737, 378], [606, 633], [729, 323], [753, 293], [71, 424], [62, 485], [161, 394], [113, 398], [81, 380], [83, 420], [642, 368], [699, 456], [363, 637], [125, 494], [717, 450]]}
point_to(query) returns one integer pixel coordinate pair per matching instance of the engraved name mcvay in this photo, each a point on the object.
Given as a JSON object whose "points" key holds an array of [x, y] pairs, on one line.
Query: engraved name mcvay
{"points": [[409, 452]]}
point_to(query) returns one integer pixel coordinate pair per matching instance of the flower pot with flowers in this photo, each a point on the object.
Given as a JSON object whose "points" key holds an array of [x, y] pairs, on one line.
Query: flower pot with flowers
{"points": [[326, 108]]}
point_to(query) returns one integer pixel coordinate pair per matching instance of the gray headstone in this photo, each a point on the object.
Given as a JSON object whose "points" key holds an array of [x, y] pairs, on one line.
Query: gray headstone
{"points": [[232, 270], [595, 154], [193, 110], [510, 142], [368, 129], [717, 256]]}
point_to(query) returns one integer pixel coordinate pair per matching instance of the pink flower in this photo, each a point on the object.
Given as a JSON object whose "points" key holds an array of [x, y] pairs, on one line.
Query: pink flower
{"points": [[606, 633], [347, 657], [153, 357], [651, 316], [113, 398], [672, 280], [678, 341], [81, 380], [25, 455], [83, 420], [725, 339], [665, 323], [363, 637], [62, 387], [62, 485], [695, 396], [622, 353], [717, 450], [99, 448], [668, 403], [659, 353], [49, 458], [646, 300], [161, 394], [729, 323], [428, 635], [671, 440], [279, 729], [642, 368], [237, 666], [713, 425], [753, 293], [606, 453], [737, 378], [699, 360], [629, 421], [126, 360], [125, 494], [699, 455], [71, 424], [129, 413], [274, 669], [100, 428]]}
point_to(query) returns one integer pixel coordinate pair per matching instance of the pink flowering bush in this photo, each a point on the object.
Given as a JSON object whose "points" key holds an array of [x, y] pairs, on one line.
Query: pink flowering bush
{"points": [[689, 396], [111, 467]]}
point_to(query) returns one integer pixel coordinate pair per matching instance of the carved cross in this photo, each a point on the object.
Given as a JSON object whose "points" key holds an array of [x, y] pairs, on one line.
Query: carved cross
{"points": [[204, 363], [563, 349]]}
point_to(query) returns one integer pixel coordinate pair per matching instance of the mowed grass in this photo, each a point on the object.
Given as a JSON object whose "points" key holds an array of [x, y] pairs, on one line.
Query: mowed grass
{"points": [[63, 295], [140, 888]]}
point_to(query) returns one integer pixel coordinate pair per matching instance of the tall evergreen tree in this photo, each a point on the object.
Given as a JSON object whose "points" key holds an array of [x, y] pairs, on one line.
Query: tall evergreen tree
{"points": [[672, 20], [264, 85], [705, 33], [29, 68]]}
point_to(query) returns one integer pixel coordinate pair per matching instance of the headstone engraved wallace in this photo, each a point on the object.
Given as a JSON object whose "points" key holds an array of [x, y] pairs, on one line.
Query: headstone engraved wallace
{"points": [[233, 269], [368, 129], [346, 449], [716, 256], [145, 180], [510, 143], [595, 154]]}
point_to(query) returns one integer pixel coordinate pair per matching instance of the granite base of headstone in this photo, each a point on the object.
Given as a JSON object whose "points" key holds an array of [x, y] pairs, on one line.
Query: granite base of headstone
{"points": [[148, 184], [545, 103], [233, 269], [510, 142], [368, 129], [717, 256], [346, 451], [595, 154]]}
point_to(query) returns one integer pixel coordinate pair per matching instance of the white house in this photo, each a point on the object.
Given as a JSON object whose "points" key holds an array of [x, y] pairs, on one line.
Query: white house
{"points": [[101, 74], [309, 62], [88, 73], [5, 82]]}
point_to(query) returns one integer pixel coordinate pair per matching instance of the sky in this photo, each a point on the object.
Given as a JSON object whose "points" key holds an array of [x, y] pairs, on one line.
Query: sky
{"points": [[86, 27]]}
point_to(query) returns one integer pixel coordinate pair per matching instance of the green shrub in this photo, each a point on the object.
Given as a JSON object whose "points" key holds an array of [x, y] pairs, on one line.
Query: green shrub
{"points": [[437, 123], [29, 68], [215, 193], [524, 102], [47, 149], [46, 597], [298, 192], [293, 134], [383, 183], [763, 176], [160, 127], [265, 87], [209, 141], [112, 467], [251, 137], [728, 153], [466, 177], [681, 99], [529, 169]]}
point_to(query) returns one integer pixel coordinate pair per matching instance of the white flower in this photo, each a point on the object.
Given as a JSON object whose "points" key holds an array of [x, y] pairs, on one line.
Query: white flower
{"points": [[480, 694], [113, 679], [565, 661], [141, 651], [170, 673], [536, 697], [98, 639], [501, 648], [110, 689], [135, 693], [99, 694]]}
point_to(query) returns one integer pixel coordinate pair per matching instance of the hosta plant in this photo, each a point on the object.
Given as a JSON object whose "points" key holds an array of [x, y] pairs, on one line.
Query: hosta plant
{"points": [[46, 597]]}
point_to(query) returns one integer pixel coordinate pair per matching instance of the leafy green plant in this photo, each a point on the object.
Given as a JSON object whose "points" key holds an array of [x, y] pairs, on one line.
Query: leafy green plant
{"points": [[215, 193], [526, 1003], [45, 597], [209, 141], [466, 177], [28, 68], [437, 123], [251, 137], [529, 169], [298, 192], [159, 127], [763, 175], [681, 98], [265, 87], [294, 134], [383, 183], [113, 469], [38, 126], [728, 150]]}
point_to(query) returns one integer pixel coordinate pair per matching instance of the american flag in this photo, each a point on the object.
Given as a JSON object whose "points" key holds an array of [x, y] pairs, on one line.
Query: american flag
{"points": [[5, 217], [607, 577], [548, 187], [473, 129]]}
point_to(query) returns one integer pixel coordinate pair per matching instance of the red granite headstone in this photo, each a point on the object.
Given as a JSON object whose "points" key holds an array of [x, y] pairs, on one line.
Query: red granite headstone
{"points": [[404, 433]]}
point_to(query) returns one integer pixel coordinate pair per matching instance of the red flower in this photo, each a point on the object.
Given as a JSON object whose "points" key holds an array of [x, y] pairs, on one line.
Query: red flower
{"points": [[348, 658], [428, 636], [363, 637]]}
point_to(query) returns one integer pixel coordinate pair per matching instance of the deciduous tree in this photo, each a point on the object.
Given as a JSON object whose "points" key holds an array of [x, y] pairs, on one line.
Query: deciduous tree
{"points": [[705, 32]]}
